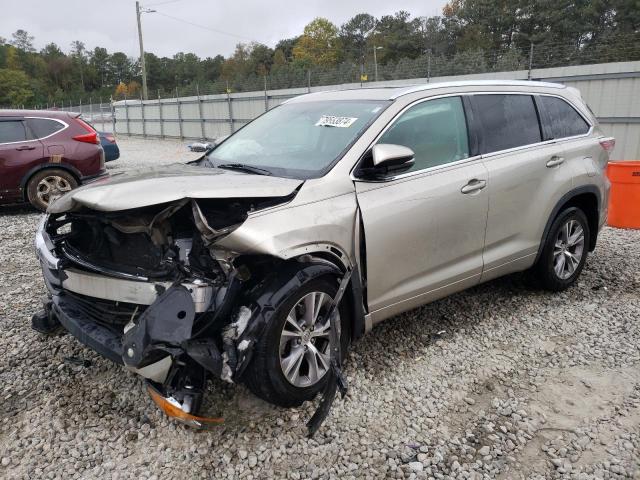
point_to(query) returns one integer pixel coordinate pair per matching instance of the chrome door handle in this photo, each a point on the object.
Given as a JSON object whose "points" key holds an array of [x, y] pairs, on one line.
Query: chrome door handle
{"points": [[474, 186], [25, 147], [555, 161]]}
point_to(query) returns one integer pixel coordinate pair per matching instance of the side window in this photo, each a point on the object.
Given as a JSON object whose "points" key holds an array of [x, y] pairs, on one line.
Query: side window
{"points": [[565, 121], [42, 127], [12, 131], [435, 130], [507, 121]]}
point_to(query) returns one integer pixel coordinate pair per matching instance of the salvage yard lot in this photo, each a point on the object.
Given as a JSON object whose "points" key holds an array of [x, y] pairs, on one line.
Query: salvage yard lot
{"points": [[499, 381]]}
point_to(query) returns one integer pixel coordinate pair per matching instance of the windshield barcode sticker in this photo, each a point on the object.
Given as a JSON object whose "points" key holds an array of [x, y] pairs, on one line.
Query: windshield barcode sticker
{"points": [[331, 121]]}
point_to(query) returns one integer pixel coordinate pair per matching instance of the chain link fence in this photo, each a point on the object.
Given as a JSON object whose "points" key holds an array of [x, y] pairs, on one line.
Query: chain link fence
{"points": [[611, 89], [430, 64], [207, 110]]}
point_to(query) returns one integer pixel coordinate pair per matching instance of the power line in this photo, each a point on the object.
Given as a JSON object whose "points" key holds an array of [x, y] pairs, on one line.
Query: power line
{"points": [[161, 3], [215, 30]]}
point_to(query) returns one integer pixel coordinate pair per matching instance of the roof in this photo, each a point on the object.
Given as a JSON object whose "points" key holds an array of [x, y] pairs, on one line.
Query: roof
{"points": [[393, 92], [37, 113]]}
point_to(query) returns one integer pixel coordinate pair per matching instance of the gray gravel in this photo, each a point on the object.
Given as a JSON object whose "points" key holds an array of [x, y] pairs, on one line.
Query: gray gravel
{"points": [[501, 381]]}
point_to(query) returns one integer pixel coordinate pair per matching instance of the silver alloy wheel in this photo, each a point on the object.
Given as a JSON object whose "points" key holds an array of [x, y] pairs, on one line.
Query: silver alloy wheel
{"points": [[568, 249], [52, 187], [304, 341]]}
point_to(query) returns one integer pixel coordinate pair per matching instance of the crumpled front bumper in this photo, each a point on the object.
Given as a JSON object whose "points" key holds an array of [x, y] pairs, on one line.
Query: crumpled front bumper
{"points": [[82, 302]]}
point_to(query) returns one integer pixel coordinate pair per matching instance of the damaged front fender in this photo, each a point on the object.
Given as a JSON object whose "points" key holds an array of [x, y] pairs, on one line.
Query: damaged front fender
{"points": [[263, 302]]}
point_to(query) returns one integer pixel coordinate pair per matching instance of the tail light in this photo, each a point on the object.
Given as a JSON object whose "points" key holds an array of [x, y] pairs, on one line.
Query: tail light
{"points": [[90, 137], [110, 138], [608, 144]]}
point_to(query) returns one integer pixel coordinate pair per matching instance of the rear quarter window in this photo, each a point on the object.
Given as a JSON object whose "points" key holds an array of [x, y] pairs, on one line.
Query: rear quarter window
{"points": [[506, 121], [43, 127], [563, 119]]}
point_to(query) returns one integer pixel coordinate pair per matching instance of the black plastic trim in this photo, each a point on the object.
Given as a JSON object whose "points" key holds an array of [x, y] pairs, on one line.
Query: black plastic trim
{"points": [[101, 339], [566, 198]]}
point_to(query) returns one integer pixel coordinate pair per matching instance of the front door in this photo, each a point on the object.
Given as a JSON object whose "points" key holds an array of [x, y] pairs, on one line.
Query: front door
{"points": [[424, 229]]}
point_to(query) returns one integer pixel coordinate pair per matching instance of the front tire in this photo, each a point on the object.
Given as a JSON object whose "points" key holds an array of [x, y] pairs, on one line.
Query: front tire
{"points": [[565, 251], [290, 363]]}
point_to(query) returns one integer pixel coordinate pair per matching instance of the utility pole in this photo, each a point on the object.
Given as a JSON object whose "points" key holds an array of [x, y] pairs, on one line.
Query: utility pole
{"points": [[145, 95]]}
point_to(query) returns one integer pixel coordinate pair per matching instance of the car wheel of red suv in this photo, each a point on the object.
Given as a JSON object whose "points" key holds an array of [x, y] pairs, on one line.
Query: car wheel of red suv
{"points": [[47, 185]]}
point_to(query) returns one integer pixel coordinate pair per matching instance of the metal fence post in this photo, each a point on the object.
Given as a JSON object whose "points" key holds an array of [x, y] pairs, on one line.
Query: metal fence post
{"points": [[530, 61], [91, 109], [309, 81], [126, 113], [144, 123], [179, 114], [266, 97], [112, 109], [200, 112], [160, 116], [230, 111], [101, 114], [80, 105]]}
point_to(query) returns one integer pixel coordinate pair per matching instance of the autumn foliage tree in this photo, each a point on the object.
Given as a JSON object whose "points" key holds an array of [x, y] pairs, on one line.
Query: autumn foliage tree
{"points": [[319, 44]]}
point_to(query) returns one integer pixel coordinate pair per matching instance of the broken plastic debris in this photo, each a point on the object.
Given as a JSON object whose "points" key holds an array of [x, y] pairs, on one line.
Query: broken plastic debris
{"points": [[172, 410], [78, 361]]}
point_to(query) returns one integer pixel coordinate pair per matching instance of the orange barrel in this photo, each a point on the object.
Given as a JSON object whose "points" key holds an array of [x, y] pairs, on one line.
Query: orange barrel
{"points": [[624, 198]]}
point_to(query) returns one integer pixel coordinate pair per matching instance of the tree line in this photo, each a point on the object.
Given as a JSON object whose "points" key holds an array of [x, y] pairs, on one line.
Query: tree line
{"points": [[469, 36]]}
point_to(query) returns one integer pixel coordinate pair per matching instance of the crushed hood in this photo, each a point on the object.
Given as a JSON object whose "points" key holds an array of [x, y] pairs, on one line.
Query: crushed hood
{"points": [[155, 185]]}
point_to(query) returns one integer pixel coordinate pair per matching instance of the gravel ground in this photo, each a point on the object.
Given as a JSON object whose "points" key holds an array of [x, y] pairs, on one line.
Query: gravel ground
{"points": [[500, 381]]}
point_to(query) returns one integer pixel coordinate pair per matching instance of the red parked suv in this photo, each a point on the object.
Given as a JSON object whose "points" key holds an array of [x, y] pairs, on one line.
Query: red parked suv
{"points": [[44, 154]]}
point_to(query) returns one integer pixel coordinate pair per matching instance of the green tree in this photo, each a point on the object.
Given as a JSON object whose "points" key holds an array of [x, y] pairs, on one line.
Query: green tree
{"points": [[99, 61], [15, 89], [78, 54], [399, 36], [22, 40], [286, 47], [120, 68], [353, 36]]}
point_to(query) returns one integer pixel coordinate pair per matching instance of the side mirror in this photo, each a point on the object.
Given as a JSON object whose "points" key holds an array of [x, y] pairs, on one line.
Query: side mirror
{"points": [[200, 147], [392, 156], [387, 159]]}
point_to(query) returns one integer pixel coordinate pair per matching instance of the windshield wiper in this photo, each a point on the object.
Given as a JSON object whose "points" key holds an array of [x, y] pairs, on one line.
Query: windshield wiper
{"points": [[245, 168]]}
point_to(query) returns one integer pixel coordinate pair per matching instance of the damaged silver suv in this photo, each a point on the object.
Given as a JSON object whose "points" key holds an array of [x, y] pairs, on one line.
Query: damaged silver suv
{"points": [[231, 266]]}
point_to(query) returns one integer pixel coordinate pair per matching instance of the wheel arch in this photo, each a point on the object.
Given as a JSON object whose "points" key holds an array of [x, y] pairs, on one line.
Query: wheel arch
{"points": [[586, 198], [291, 274], [47, 166]]}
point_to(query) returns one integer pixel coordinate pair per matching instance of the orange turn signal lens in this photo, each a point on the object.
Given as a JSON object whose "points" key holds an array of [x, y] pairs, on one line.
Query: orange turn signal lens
{"points": [[173, 411]]}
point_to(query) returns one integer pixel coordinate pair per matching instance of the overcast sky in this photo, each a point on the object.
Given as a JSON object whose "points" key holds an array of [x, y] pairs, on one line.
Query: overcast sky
{"points": [[112, 24]]}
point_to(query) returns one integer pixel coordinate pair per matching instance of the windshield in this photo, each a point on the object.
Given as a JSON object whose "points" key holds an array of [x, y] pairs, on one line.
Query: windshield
{"points": [[298, 140]]}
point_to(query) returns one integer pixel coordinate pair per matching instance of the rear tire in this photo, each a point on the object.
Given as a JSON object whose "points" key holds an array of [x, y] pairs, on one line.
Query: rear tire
{"points": [[565, 251], [276, 349], [47, 185]]}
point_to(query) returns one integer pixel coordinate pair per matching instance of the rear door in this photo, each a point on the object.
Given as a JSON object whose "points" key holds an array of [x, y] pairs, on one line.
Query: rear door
{"points": [[425, 228], [527, 178], [562, 124], [19, 152]]}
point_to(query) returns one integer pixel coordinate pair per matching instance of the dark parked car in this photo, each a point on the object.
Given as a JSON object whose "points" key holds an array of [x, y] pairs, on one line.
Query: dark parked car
{"points": [[44, 154], [109, 145]]}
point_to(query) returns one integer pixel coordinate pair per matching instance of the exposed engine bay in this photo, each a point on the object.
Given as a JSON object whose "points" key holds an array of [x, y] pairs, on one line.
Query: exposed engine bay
{"points": [[149, 288]]}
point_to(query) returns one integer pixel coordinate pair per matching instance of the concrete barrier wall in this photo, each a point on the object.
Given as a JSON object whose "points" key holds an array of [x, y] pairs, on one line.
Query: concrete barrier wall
{"points": [[612, 90]]}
